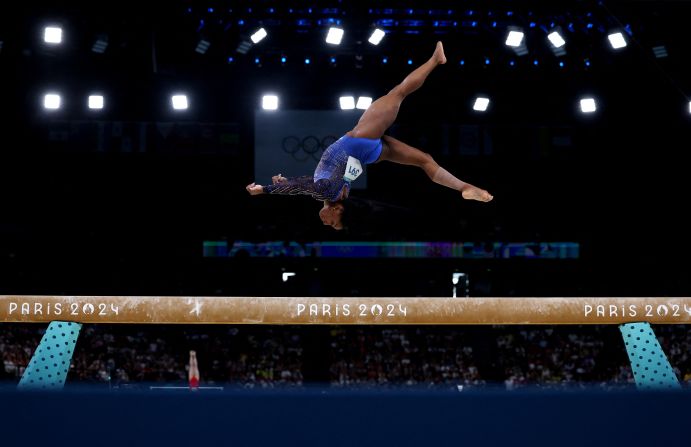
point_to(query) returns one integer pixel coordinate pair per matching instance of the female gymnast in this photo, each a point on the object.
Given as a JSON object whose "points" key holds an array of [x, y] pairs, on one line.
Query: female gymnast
{"points": [[341, 163]]}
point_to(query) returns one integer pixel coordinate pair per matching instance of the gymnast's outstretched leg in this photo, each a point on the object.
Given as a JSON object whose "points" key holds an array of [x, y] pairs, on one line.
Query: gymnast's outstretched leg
{"points": [[398, 152], [381, 114]]}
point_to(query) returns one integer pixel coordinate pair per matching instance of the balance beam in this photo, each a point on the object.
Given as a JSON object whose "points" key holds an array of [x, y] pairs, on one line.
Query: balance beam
{"points": [[342, 311]]}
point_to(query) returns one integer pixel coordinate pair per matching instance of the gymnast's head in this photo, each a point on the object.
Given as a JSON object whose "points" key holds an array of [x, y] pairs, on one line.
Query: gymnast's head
{"points": [[332, 213]]}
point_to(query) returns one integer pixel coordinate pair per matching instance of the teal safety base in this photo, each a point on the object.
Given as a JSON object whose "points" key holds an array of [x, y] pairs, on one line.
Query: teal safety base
{"points": [[51, 360], [651, 369]]}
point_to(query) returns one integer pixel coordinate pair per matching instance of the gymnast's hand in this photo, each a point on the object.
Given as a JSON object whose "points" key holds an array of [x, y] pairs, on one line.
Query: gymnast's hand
{"points": [[254, 189], [278, 179]]}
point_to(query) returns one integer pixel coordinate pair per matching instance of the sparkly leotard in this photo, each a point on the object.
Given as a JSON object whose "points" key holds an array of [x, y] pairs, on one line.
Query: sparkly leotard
{"points": [[328, 180]]}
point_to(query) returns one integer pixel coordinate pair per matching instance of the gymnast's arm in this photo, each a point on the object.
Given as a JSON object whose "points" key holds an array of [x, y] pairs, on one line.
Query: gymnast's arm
{"points": [[304, 185]]}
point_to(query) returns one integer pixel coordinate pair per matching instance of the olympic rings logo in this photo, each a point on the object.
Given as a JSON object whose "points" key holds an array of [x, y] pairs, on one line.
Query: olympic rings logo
{"points": [[302, 149]]}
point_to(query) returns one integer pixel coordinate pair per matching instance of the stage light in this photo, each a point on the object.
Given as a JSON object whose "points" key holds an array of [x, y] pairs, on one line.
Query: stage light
{"points": [[363, 102], [52, 101], [96, 102], [202, 46], [287, 275], [514, 38], [258, 35], [270, 102], [307, 61], [660, 51], [101, 44], [334, 36], [556, 39], [346, 102], [557, 43], [376, 37], [481, 104], [588, 105], [244, 46], [52, 34], [179, 102], [617, 40]]}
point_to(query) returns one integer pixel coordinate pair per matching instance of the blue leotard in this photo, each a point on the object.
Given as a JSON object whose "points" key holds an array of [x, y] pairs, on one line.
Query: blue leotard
{"points": [[327, 181]]}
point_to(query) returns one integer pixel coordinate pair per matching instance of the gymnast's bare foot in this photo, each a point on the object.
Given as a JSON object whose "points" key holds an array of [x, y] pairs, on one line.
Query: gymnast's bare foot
{"points": [[470, 192], [439, 53]]}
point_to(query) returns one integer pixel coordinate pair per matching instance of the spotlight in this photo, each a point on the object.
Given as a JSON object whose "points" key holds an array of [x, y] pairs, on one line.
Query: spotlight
{"points": [[516, 40], [244, 46], [376, 37], [258, 35], [557, 42], [660, 51], [363, 102], [334, 36], [96, 102], [307, 61], [347, 102], [202, 46], [588, 105], [617, 40], [51, 101], [101, 44], [556, 39], [179, 102], [481, 104], [270, 102], [52, 35]]}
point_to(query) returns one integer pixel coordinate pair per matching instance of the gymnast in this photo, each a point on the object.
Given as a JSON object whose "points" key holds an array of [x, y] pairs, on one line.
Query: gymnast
{"points": [[341, 163]]}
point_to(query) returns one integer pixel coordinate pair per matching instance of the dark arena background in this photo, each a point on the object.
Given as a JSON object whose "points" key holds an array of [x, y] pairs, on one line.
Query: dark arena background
{"points": [[146, 297]]}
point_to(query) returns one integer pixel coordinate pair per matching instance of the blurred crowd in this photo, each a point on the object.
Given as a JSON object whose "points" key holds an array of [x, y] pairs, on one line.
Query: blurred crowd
{"points": [[401, 356], [349, 356]]}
